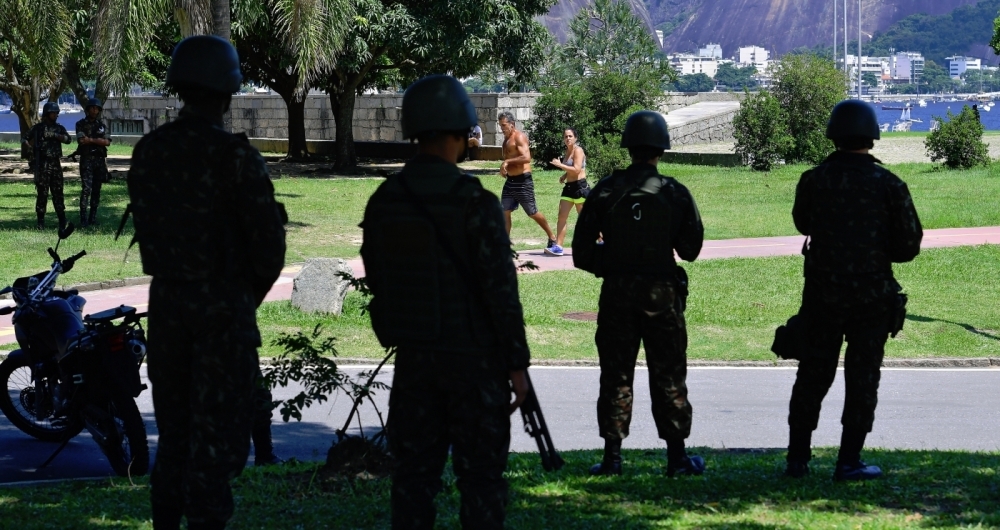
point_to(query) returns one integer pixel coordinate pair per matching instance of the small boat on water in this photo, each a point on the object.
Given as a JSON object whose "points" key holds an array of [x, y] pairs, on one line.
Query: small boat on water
{"points": [[895, 107], [922, 103]]}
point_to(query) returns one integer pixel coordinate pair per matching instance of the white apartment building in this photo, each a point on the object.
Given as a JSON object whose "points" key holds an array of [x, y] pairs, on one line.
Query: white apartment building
{"points": [[906, 67], [753, 56], [877, 66], [711, 50], [688, 64], [958, 65]]}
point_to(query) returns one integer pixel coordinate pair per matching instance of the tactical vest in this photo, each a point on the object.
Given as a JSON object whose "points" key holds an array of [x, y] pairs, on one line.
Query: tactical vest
{"points": [[422, 300], [636, 228], [179, 186]]}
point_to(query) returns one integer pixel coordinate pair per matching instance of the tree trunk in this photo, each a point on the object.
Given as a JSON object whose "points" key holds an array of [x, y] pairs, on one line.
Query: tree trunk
{"points": [[193, 16], [24, 103], [220, 18], [342, 104], [296, 105], [71, 74]]}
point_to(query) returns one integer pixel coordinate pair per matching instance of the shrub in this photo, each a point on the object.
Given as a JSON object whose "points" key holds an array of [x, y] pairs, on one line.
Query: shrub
{"points": [[958, 141], [807, 88], [761, 131], [558, 109]]}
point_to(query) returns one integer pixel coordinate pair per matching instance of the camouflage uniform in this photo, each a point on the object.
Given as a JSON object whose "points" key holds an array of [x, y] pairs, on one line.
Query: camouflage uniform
{"points": [[48, 168], [450, 386], [211, 236], [860, 219], [93, 166], [642, 304]]}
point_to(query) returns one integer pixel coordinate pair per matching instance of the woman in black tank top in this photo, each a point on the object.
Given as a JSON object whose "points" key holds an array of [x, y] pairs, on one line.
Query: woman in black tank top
{"points": [[575, 188]]}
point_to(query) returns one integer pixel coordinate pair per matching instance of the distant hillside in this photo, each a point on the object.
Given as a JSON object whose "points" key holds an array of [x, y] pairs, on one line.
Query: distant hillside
{"points": [[778, 25], [966, 30], [561, 14]]}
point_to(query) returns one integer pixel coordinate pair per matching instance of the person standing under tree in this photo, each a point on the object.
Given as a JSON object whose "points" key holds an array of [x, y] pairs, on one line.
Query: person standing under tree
{"points": [[93, 138], [212, 237], [860, 219], [519, 189], [46, 139], [631, 224], [444, 289], [575, 188]]}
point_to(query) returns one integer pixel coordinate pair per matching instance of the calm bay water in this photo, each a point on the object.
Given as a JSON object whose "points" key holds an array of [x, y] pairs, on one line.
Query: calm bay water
{"points": [[8, 122]]}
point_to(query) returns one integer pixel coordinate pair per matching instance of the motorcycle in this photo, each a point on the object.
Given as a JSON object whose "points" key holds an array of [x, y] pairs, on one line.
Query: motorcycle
{"points": [[74, 372]]}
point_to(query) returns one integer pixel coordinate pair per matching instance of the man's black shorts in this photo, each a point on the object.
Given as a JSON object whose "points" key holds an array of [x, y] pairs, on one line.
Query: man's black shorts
{"points": [[519, 190]]}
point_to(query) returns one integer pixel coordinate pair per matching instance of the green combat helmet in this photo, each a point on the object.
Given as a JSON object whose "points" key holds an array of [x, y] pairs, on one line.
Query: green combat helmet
{"points": [[205, 62], [93, 102], [50, 106], [646, 128], [436, 103], [853, 118]]}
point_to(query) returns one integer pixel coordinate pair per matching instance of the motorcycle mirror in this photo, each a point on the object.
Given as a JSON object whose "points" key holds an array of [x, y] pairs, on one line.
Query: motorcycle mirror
{"points": [[66, 232]]}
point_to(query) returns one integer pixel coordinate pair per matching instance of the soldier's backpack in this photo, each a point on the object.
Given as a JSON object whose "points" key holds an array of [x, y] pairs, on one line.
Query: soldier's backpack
{"points": [[637, 226]]}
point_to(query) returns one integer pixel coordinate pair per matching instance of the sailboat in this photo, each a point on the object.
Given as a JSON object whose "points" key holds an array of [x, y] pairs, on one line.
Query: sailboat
{"points": [[922, 103]]}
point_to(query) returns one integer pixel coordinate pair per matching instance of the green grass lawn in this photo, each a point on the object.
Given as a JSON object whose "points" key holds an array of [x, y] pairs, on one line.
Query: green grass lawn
{"points": [[113, 149], [734, 202], [740, 490], [734, 307]]}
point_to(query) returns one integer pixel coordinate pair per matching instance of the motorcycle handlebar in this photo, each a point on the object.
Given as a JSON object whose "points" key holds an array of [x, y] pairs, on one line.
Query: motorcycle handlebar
{"points": [[68, 263], [53, 254]]}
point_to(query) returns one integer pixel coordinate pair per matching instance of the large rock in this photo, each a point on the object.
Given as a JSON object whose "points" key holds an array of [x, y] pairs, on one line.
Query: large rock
{"points": [[319, 286]]}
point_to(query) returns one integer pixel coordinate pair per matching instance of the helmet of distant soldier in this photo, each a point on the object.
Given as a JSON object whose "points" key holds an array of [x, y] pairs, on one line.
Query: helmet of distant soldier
{"points": [[437, 103], [50, 106], [853, 118], [205, 62], [646, 128], [93, 102]]}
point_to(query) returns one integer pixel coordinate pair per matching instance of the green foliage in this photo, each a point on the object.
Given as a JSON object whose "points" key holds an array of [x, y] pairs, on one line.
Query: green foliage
{"points": [[605, 72], [869, 79], [959, 141], [808, 87], [936, 79], [693, 83], [760, 130], [938, 36], [736, 78]]}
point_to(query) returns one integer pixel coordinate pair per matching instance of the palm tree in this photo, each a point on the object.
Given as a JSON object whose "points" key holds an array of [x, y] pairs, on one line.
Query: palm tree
{"points": [[35, 36], [296, 39]]}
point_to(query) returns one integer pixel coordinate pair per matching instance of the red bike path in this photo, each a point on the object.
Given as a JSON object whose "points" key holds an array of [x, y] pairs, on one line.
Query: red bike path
{"points": [[138, 295]]}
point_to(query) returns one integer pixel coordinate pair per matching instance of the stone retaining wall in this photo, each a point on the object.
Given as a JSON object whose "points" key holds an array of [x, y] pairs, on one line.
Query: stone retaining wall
{"points": [[711, 129], [377, 116]]}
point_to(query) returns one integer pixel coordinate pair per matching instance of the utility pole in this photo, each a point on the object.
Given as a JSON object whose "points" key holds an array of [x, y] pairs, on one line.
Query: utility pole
{"points": [[846, 71], [834, 33], [859, 49]]}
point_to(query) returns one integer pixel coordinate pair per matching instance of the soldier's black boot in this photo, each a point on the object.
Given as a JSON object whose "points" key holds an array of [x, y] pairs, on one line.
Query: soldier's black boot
{"points": [[263, 446], [679, 463], [83, 216], [799, 453], [206, 525], [62, 220], [849, 464], [41, 222], [92, 218], [612, 463]]}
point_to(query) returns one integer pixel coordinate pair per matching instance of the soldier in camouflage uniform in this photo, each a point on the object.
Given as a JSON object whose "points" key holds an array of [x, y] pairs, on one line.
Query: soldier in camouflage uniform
{"points": [[860, 219], [46, 139], [440, 268], [630, 226], [211, 235], [93, 138]]}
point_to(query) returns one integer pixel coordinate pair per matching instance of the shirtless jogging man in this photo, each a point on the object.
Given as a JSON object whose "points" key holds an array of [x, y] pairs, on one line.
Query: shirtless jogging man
{"points": [[516, 168]]}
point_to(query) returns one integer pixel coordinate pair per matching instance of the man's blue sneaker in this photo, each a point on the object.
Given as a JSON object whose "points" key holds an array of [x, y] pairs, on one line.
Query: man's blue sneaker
{"points": [[554, 250]]}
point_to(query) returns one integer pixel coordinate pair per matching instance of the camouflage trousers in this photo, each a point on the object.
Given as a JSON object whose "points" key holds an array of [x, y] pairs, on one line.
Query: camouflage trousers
{"points": [[634, 309], [202, 364], [49, 178], [866, 330], [93, 171], [448, 400]]}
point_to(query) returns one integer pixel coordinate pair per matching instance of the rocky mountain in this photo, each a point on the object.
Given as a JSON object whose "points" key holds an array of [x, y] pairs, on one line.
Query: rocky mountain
{"points": [[778, 25]]}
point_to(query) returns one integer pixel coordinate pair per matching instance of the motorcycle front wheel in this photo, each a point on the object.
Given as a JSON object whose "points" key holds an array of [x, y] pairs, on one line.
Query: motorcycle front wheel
{"points": [[125, 444], [17, 402]]}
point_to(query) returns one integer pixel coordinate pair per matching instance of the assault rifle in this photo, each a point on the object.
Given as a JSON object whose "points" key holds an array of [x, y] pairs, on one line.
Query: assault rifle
{"points": [[534, 425]]}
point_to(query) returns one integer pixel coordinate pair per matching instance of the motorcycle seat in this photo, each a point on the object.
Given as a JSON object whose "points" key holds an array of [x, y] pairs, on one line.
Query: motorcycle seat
{"points": [[109, 314]]}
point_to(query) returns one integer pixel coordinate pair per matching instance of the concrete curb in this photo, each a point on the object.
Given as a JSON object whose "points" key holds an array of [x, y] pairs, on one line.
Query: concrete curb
{"points": [[971, 362], [100, 286]]}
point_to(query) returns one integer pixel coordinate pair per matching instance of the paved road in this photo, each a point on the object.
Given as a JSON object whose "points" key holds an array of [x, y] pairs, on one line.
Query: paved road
{"points": [[734, 408]]}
